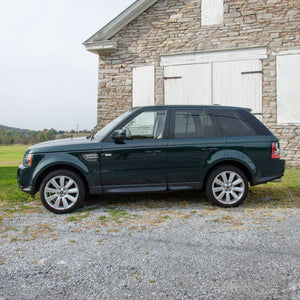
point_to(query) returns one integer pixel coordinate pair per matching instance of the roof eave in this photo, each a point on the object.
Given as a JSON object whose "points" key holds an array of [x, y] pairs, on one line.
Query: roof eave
{"points": [[102, 47], [119, 22]]}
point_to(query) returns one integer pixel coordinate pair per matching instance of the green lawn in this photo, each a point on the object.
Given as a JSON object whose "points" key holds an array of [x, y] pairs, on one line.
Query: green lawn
{"points": [[11, 156], [283, 194], [11, 197], [280, 194]]}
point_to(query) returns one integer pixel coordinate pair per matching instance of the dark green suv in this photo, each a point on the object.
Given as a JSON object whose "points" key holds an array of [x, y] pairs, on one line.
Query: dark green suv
{"points": [[157, 148]]}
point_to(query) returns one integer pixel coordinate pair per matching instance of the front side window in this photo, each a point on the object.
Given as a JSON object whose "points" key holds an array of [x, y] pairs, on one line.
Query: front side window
{"points": [[146, 125]]}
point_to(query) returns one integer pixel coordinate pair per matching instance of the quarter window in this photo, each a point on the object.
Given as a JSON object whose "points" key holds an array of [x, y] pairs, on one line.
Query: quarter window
{"points": [[233, 124]]}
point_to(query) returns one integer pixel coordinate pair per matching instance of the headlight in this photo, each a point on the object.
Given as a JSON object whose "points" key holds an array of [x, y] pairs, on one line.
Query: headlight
{"points": [[27, 161]]}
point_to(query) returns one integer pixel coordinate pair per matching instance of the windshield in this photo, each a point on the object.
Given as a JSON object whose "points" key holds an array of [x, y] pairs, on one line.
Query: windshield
{"points": [[109, 127]]}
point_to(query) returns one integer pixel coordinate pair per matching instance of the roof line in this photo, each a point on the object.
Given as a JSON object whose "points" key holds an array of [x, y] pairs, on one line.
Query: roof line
{"points": [[120, 21]]}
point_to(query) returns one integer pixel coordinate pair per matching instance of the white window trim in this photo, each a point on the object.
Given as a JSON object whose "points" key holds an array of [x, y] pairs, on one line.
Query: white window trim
{"points": [[215, 56], [287, 52]]}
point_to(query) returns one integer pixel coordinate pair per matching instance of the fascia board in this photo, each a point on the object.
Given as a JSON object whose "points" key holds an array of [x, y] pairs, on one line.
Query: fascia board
{"points": [[124, 18], [101, 47]]}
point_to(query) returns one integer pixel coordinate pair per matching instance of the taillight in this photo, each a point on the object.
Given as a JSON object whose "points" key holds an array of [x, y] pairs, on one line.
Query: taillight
{"points": [[275, 150]]}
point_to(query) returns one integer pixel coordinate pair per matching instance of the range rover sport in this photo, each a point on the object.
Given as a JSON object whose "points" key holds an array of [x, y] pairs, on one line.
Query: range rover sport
{"points": [[156, 148]]}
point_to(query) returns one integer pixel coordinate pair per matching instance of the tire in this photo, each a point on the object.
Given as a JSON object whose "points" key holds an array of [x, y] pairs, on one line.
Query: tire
{"points": [[62, 191], [227, 186]]}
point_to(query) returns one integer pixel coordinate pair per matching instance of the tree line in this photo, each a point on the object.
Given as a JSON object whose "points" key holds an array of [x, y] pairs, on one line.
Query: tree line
{"points": [[29, 137]]}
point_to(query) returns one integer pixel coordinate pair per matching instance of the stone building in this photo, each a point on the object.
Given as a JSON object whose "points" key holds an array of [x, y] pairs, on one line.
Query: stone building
{"points": [[228, 52]]}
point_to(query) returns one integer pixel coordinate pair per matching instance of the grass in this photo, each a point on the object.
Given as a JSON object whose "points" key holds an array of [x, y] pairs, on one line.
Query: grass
{"points": [[285, 193], [12, 156], [11, 197]]}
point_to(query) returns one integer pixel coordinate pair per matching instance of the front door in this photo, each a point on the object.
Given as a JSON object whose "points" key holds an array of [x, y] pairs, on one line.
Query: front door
{"points": [[139, 163]]}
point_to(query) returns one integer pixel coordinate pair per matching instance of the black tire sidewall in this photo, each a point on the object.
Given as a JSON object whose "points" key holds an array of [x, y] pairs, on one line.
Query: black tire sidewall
{"points": [[79, 183], [215, 172]]}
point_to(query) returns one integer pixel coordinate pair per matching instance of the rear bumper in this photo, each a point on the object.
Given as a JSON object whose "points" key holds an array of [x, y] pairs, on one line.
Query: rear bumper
{"points": [[275, 173]]}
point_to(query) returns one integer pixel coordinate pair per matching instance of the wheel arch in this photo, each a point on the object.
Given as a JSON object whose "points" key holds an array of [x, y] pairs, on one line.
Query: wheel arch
{"points": [[52, 168], [246, 170]]}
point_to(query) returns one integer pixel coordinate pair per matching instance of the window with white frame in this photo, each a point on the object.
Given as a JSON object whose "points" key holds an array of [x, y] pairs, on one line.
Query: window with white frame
{"points": [[288, 88], [212, 12]]}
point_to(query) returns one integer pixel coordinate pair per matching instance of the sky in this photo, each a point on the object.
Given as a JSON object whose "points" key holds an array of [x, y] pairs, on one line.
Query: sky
{"points": [[47, 78]]}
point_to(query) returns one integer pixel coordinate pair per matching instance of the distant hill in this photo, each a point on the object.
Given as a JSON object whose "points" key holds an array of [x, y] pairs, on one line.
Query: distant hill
{"points": [[14, 129]]}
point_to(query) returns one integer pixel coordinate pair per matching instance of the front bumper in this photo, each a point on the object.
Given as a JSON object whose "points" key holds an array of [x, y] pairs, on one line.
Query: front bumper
{"points": [[24, 176]]}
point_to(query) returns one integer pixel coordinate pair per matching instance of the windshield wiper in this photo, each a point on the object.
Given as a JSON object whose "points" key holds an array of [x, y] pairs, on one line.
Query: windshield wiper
{"points": [[91, 136]]}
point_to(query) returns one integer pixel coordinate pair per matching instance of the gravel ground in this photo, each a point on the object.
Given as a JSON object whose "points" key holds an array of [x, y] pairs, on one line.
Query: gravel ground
{"points": [[151, 250]]}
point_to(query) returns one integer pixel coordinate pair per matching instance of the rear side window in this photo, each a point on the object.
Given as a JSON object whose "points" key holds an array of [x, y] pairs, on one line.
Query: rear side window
{"points": [[188, 124], [211, 128], [232, 123]]}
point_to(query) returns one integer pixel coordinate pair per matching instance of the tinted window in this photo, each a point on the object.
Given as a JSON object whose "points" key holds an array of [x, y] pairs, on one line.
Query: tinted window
{"points": [[233, 124], [211, 128], [146, 125], [188, 124], [258, 126]]}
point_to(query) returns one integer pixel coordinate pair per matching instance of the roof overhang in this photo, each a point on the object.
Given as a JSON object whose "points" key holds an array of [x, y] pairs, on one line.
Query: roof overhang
{"points": [[101, 47], [99, 42]]}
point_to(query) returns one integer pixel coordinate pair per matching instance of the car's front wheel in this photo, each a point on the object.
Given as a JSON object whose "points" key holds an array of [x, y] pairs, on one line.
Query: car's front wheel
{"points": [[62, 191], [227, 186]]}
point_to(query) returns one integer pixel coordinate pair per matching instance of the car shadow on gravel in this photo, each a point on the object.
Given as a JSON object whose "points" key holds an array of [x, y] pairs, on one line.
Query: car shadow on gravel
{"points": [[148, 200], [259, 197]]}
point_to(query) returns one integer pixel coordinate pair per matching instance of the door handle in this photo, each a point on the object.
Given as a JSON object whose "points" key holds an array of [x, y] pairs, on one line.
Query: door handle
{"points": [[152, 152], [209, 149]]}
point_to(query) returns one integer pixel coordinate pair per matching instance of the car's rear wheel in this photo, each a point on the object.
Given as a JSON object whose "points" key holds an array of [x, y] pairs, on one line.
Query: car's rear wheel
{"points": [[227, 186], [62, 191]]}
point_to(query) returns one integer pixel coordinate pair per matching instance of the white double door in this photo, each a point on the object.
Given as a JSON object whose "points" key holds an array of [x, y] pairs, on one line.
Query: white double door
{"points": [[232, 83]]}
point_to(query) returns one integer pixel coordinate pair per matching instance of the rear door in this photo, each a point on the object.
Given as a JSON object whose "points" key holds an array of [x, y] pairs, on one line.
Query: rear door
{"points": [[195, 141]]}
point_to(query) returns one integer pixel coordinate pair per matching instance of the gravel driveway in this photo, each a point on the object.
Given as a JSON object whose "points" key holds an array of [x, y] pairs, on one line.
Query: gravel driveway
{"points": [[151, 248]]}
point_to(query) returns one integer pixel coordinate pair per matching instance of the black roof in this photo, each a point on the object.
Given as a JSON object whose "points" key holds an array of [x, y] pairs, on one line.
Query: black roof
{"points": [[191, 107]]}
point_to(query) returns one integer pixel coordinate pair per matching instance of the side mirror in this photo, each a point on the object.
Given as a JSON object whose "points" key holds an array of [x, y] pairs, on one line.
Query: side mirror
{"points": [[119, 135]]}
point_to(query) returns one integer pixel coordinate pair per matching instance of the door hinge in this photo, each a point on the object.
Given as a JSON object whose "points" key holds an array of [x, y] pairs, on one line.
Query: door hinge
{"points": [[252, 72], [173, 77]]}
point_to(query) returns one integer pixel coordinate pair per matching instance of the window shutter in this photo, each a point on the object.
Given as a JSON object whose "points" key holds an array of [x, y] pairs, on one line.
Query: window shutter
{"points": [[143, 86]]}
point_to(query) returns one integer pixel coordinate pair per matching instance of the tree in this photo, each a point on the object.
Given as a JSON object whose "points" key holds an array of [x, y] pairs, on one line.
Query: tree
{"points": [[50, 135], [41, 137]]}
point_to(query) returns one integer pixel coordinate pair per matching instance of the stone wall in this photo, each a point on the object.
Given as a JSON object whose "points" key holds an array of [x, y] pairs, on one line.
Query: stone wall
{"points": [[174, 26]]}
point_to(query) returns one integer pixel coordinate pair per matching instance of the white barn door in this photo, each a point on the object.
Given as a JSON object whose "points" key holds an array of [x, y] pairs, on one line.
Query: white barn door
{"points": [[238, 83], [187, 84], [232, 78]]}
